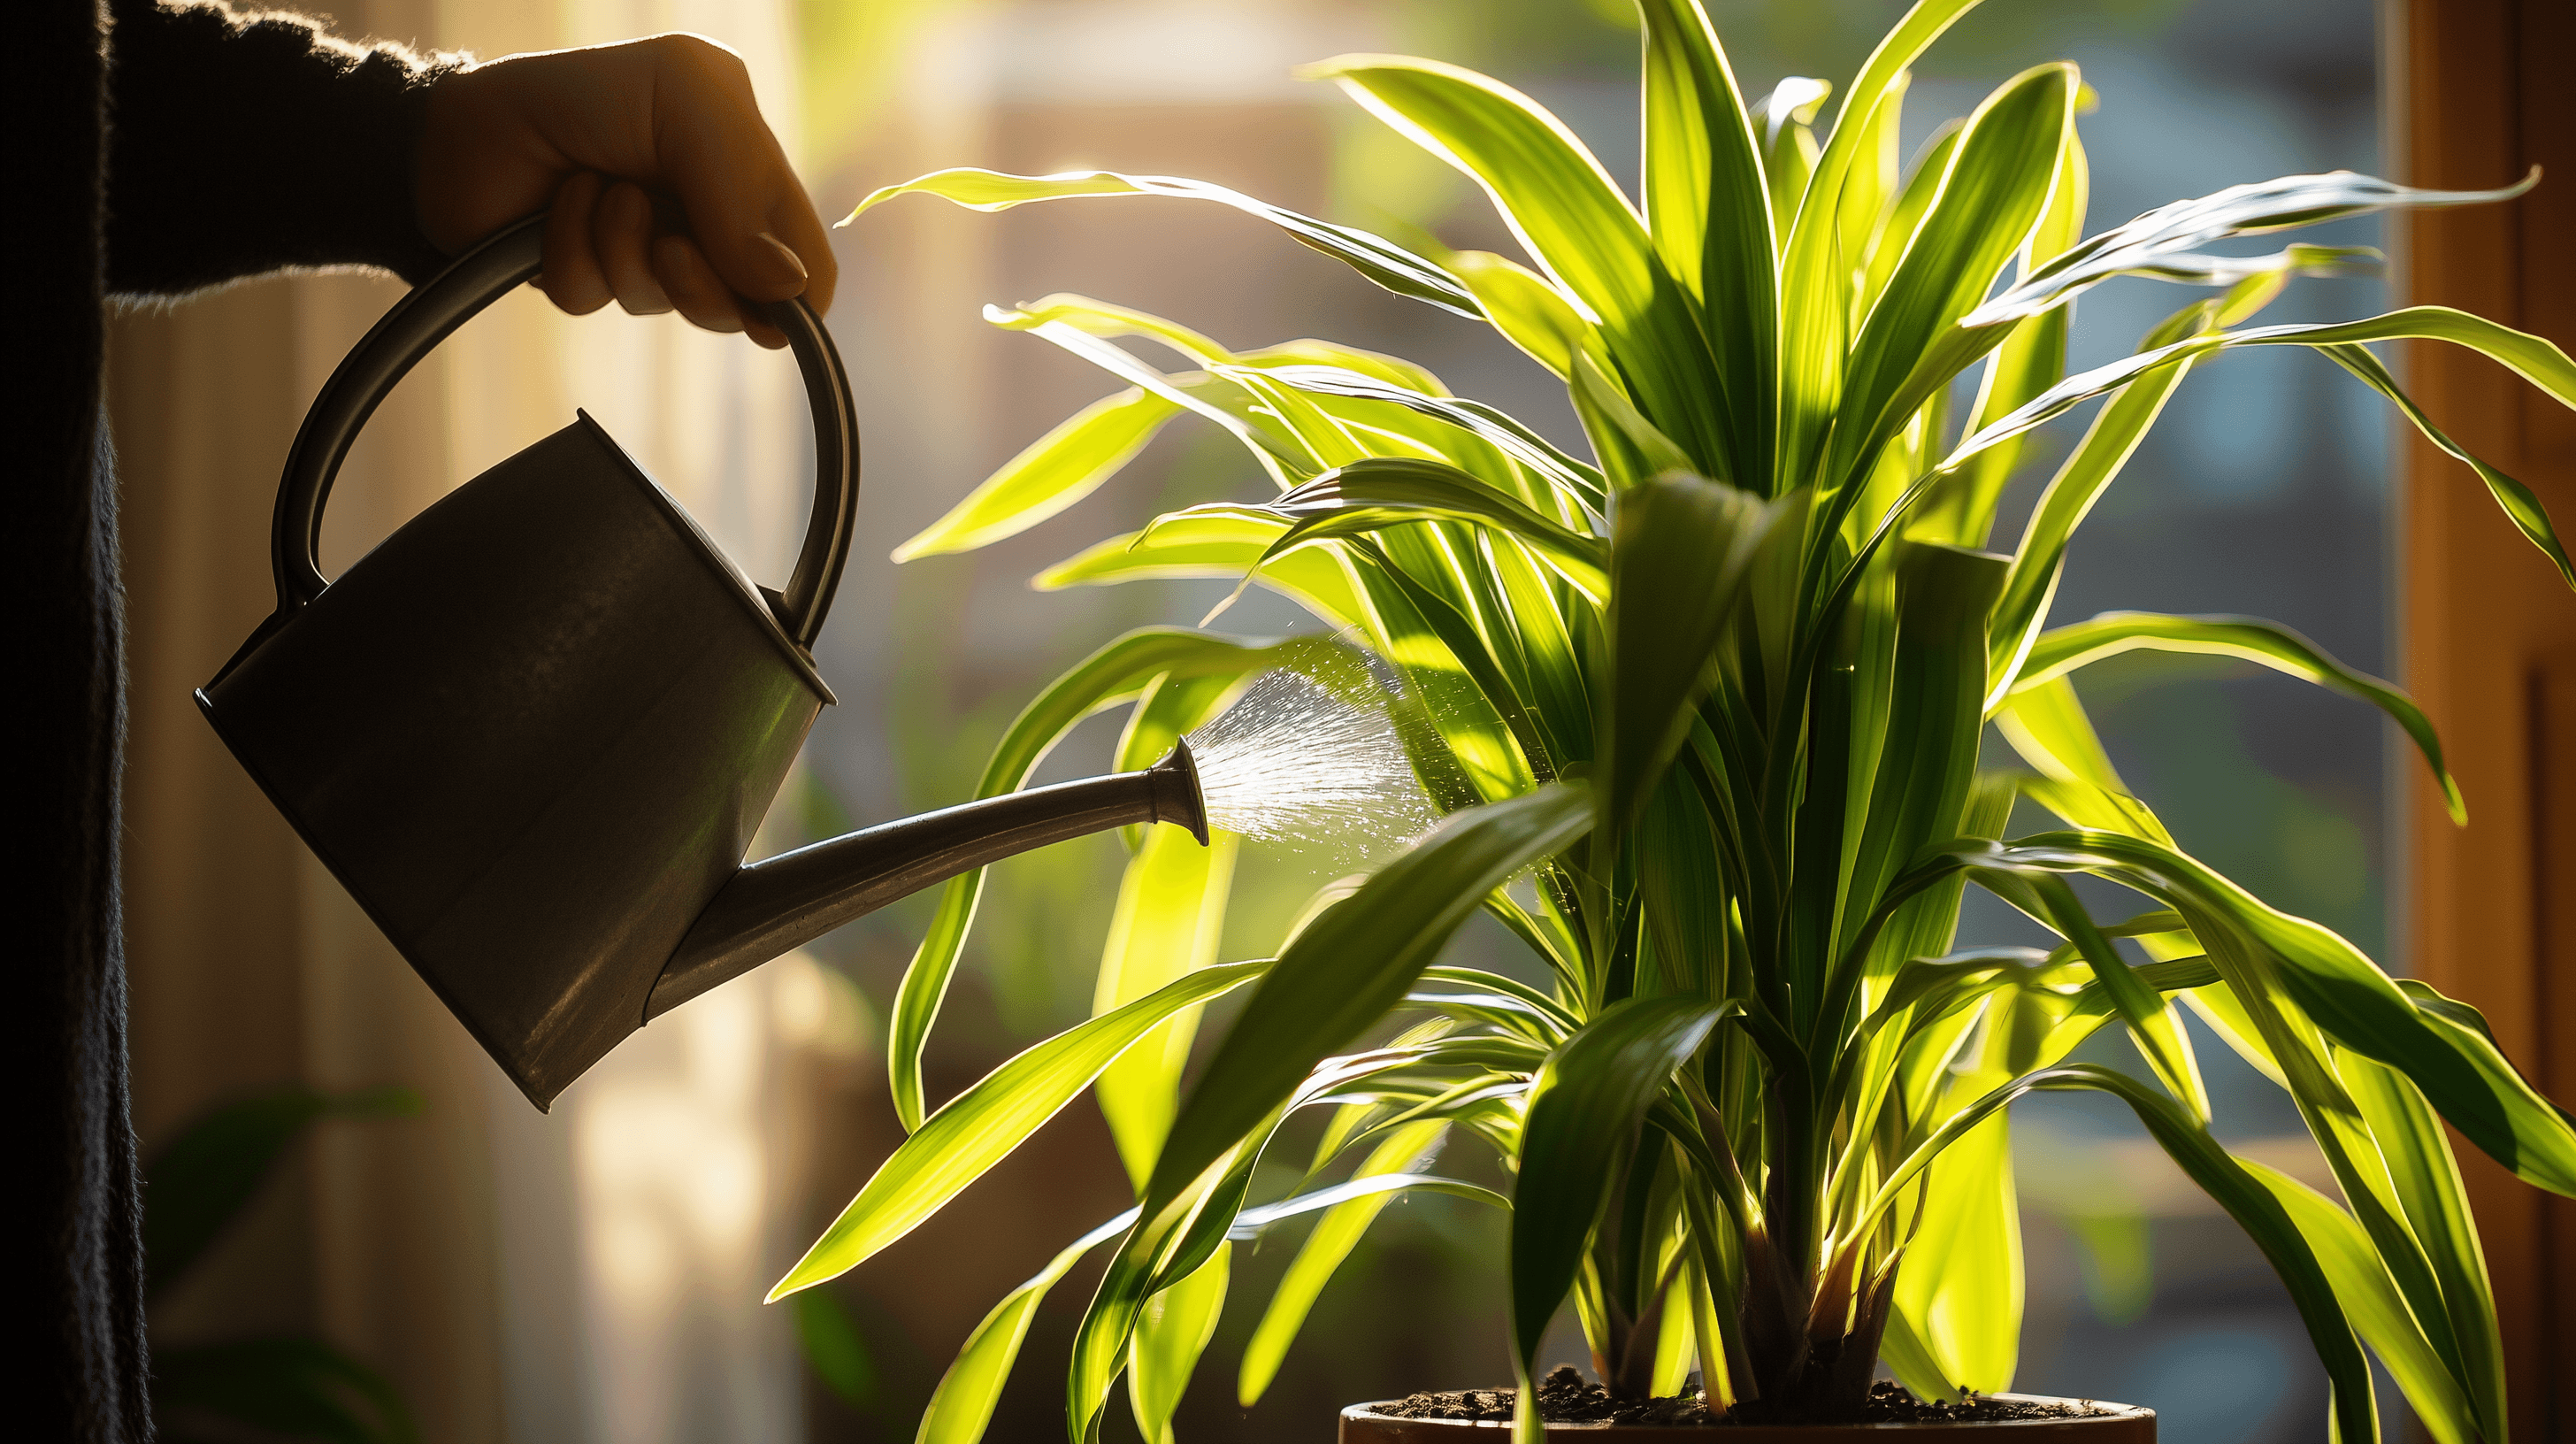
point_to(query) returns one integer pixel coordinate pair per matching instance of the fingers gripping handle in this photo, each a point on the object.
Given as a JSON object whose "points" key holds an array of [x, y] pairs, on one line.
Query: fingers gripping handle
{"points": [[432, 312]]}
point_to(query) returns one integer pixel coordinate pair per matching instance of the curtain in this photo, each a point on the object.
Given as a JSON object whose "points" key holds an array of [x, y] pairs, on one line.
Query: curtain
{"points": [[593, 1274]]}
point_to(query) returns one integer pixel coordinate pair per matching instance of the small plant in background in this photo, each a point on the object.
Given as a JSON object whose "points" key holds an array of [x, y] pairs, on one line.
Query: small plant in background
{"points": [[289, 1386], [1704, 712], [836, 1349]]}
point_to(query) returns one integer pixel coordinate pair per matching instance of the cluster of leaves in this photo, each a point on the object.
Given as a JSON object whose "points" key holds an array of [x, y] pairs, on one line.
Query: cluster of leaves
{"points": [[1706, 712]]}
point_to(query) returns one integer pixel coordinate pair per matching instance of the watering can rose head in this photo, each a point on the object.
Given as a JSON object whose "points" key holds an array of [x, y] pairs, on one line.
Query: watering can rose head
{"points": [[1703, 709]]}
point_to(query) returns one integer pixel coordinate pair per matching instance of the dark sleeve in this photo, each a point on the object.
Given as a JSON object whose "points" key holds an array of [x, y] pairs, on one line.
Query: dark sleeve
{"points": [[242, 143]]}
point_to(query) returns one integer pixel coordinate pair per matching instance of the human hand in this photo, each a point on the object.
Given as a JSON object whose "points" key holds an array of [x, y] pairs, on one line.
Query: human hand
{"points": [[599, 134]]}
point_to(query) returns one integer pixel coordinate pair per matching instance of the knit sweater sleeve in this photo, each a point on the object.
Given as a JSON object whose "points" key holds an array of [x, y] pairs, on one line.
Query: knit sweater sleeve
{"points": [[240, 143]]}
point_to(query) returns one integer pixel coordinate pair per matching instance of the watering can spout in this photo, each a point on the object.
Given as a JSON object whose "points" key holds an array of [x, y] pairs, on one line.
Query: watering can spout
{"points": [[782, 903]]}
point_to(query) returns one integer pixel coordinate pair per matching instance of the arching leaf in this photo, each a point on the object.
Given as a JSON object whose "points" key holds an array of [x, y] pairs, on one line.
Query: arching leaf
{"points": [[2250, 639]]}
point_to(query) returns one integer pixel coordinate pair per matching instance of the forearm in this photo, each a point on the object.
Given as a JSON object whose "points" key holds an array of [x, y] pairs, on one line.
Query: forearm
{"points": [[244, 143]]}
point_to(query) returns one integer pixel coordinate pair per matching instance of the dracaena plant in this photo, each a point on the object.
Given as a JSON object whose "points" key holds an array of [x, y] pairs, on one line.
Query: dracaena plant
{"points": [[1704, 711]]}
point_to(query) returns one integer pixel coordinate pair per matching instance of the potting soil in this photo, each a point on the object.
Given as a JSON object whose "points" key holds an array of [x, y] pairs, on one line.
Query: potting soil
{"points": [[1566, 1397]]}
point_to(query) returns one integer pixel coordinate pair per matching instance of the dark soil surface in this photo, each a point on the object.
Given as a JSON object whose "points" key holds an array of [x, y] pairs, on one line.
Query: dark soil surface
{"points": [[1566, 1397]]}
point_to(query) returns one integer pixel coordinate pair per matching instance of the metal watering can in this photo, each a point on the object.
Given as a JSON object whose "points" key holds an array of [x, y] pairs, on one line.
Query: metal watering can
{"points": [[534, 730]]}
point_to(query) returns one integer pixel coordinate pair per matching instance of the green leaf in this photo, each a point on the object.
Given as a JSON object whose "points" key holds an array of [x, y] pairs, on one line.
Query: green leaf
{"points": [[1927, 744], [1897, 227], [1678, 558], [2031, 359], [1813, 271], [199, 1181], [2520, 505], [1306, 406], [1217, 542], [2032, 877], [2250, 639], [2544, 1159], [1524, 446], [1341, 973], [1167, 1244], [2355, 1005], [1709, 214], [1961, 1294], [2425, 1179], [2228, 1183], [1415, 620], [962, 1405], [2154, 1024], [1784, 123], [1674, 1337], [1675, 847], [2047, 726], [1401, 1152], [2535, 359], [2087, 472], [2378, 1313], [1910, 1360], [1171, 910], [1999, 179], [1584, 1110], [1555, 1018], [1087, 329], [979, 1127], [1871, 185], [1173, 1331], [1057, 470], [1408, 412], [1566, 210], [1369, 496], [1451, 726], [1530, 311], [1251, 1223], [1112, 675], [1631, 448], [1382, 261], [2163, 242], [1355, 962]]}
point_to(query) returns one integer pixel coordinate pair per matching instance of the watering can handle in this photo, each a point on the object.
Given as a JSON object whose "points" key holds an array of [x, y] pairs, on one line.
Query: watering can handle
{"points": [[433, 310]]}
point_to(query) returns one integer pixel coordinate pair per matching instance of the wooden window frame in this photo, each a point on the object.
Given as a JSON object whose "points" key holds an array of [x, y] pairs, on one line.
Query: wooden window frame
{"points": [[2481, 91]]}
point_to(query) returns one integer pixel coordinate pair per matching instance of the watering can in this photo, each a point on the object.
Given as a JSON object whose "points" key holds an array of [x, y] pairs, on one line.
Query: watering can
{"points": [[534, 730]]}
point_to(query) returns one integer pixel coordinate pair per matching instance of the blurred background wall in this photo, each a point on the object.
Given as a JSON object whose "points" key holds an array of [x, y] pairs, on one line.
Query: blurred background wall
{"points": [[595, 1274]]}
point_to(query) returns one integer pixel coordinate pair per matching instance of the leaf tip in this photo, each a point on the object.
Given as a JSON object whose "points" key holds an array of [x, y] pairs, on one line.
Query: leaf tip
{"points": [[788, 1286], [869, 202], [1336, 67]]}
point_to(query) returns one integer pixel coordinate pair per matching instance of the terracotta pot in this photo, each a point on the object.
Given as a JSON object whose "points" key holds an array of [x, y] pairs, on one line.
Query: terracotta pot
{"points": [[1360, 1425]]}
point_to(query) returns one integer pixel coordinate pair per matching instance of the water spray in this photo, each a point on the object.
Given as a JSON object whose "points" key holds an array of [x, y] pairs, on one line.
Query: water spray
{"points": [[1294, 761], [1290, 760]]}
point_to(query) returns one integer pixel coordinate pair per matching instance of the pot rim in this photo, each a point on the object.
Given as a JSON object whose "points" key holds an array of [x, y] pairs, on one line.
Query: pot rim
{"points": [[2118, 1414]]}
